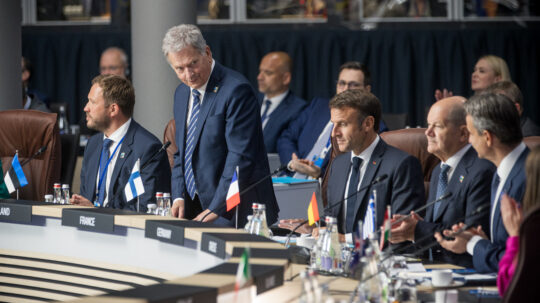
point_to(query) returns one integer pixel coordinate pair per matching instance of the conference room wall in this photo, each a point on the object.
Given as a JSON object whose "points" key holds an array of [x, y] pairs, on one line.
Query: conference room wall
{"points": [[407, 64]]}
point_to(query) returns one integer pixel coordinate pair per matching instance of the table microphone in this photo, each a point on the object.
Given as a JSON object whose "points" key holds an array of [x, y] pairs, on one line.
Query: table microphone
{"points": [[278, 170], [40, 151], [163, 147], [332, 205]]}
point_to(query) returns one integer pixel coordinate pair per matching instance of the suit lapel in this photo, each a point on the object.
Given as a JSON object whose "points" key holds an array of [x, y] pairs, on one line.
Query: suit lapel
{"points": [[123, 154], [456, 182], [433, 190], [342, 164], [93, 168], [279, 112], [371, 170], [212, 90], [181, 127]]}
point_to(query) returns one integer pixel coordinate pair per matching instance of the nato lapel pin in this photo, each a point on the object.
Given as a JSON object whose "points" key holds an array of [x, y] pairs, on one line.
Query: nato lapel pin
{"points": [[461, 179], [122, 155], [216, 89]]}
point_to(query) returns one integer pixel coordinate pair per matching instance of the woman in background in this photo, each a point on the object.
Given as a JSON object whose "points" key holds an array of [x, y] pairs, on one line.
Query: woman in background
{"points": [[512, 215]]}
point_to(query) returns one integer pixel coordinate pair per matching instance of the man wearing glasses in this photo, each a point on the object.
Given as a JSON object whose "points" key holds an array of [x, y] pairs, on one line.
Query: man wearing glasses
{"points": [[306, 142]]}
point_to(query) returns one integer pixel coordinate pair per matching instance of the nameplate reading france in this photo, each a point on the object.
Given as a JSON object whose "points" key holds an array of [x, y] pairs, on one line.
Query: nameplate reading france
{"points": [[88, 219], [13, 211]]}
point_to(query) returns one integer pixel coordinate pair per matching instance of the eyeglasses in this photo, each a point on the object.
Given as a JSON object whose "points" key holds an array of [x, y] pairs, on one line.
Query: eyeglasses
{"points": [[349, 85]]}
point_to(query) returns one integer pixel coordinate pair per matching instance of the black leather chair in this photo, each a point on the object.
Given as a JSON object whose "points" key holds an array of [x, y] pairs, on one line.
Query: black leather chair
{"points": [[70, 148]]}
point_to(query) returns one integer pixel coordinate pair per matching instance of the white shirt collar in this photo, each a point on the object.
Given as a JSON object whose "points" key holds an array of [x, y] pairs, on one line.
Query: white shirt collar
{"points": [[28, 102], [202, 89], [509, 161], [455, 159], [276, 100], [118, 134], [365, 155]]}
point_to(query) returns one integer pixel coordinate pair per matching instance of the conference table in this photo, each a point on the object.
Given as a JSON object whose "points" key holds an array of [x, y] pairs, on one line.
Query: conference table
{"points": [[52, 252]]}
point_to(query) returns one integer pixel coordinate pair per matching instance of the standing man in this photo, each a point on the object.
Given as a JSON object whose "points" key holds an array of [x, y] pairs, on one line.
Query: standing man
{"points": [[461, 173], [279, 105], [110, 155], [114, 61], [495, 133], [218, 129]]}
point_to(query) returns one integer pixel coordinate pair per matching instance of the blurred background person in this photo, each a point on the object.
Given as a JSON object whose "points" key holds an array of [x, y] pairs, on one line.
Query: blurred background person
{"points": [[32, 98], [114, 61]]}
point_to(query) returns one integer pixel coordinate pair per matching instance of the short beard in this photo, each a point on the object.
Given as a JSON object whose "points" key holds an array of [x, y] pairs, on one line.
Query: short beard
{"points": [[100, 125]]}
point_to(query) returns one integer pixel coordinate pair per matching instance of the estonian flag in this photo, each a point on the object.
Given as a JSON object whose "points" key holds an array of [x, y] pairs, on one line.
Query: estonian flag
{"points": [[233, 195], [134, 187], [15, 176]]}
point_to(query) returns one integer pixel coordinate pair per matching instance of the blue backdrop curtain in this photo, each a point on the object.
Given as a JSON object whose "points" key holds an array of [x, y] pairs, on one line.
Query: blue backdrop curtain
{"points": [[407, 64]]}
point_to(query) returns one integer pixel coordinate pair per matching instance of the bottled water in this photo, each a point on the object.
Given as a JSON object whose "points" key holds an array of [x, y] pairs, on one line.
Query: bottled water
{"points": [[159, 203], [331, 249], [166, 204], [63, 124], [316, 251], [57, 193], [248, 224], [65, 194], [258, 224]]}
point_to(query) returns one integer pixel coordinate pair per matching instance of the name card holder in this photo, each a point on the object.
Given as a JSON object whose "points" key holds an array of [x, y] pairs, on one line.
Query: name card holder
{"points": [[214, 243], [265, 277], [172, 231], [17, 210], [93, 219]]}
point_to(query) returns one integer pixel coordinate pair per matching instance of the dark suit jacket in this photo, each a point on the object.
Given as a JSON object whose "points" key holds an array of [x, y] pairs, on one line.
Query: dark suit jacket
{"points": [[138, 144], [487, 254], [279, 119], [470, 186], [403, 189], [229, 134], [37, 104], [304, 131], [529, 128]]}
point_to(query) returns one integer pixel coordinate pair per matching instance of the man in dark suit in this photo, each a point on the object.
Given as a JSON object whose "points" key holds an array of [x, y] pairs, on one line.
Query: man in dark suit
{"points": [[495, 134], [461, 173], [218, 129], [279, 105], [512, 91], [304, 145], [110, 155], [365, 157]]}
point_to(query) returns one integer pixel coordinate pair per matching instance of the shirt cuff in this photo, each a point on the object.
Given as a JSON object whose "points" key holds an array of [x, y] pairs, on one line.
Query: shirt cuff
{"points": [[177, 199], [349, 238], [472, 243]]}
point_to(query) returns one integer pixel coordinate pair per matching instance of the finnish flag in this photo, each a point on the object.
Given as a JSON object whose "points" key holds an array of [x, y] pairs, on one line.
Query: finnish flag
{"points": [[15, 176], [134, 187]]}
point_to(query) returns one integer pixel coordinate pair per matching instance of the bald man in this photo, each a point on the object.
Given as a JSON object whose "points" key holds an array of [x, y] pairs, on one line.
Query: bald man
{"points": [[279, 105], [461, 172], [114, 61]]}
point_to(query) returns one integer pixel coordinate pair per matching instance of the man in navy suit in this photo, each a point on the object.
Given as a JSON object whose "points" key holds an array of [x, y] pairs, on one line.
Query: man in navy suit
{"points": [[110, 155], [365, 157], [461, 173], [495, 133], [279, 105], [218, 129], [303, 146]]}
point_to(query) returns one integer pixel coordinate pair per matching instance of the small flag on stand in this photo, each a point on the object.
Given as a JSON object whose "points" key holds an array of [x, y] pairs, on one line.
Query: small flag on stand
{"points": [[385, 228], [15, 178], [369, 219], [313, 210], [134, 187], [243, 274], [233, 195]]}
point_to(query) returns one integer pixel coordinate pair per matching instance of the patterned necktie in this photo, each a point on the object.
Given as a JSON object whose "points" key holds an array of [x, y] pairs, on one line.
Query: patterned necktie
{"points": [[190, 145], [264, 116], [351, 194], [441, 188], [494, 186], [102, 190]]}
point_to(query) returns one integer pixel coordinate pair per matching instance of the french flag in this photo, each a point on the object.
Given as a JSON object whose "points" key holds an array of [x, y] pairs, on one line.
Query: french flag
{"points": [[233, 196]]}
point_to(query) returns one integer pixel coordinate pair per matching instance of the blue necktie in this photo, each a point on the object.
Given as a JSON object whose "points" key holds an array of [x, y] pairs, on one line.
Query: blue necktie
{"points": [[264, 116], [494, 186], [190, 145], [102, 190], [353, 186], [441, 188]]}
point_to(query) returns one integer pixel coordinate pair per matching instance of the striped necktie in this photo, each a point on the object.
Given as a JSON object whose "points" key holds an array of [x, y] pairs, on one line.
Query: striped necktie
{"points": [[190, 145], [102, 191]]}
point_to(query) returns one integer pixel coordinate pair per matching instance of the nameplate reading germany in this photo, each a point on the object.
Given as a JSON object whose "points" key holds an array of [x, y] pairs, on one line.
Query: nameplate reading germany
{"points": [[88, 219]]}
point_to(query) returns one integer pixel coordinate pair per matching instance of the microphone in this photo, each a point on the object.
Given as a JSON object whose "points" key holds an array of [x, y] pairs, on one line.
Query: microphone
{"points": [[332, 205], [163, 147], [40, 151], [245, 190], [443, 197]]}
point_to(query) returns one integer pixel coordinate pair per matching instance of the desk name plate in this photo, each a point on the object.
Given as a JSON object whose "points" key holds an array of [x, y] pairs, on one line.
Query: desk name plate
{"points": [[164, 231], [88, 219], [16, 211]]}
